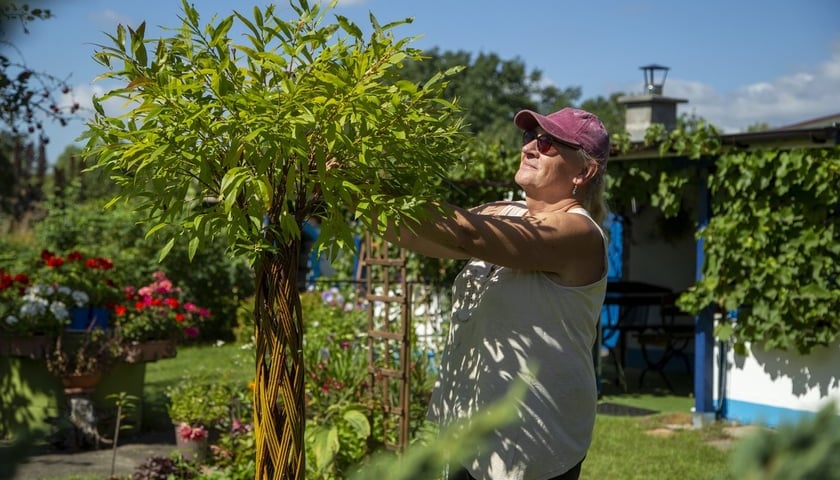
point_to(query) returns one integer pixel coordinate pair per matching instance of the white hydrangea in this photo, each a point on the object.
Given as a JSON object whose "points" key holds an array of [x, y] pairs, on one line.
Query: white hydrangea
{"points": [[11, 320], [33, 306], [59, 310], [41, 290], [81, 298]]}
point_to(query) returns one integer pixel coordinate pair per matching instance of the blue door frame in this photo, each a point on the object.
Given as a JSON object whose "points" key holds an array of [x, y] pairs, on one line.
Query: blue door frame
{"points": [[704, 409]]}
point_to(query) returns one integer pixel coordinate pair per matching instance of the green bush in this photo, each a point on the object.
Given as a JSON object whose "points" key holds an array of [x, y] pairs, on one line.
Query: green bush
{"points": [[804, 450], [200, 401]]}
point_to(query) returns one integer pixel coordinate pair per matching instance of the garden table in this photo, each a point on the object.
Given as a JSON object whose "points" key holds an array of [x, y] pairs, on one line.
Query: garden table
{"points": [[633, 301]]}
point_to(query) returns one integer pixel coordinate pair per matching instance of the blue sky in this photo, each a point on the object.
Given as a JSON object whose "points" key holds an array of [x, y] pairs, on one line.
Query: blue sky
{"points": [[736, 62]]}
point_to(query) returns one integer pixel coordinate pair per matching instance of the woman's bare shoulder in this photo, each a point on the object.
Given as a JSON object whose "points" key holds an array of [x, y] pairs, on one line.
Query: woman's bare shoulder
{"points": [[502, 207]]}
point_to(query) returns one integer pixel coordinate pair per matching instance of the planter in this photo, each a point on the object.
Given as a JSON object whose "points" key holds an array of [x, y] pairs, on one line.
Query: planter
{"points": [[81, 384], [189, 448], [26, 346], [149, 351], [85, 318], [31, 397]]}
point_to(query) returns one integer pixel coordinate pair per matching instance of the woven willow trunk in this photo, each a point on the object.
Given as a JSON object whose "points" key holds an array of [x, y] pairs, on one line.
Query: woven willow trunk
{"points": [[279, 390]]}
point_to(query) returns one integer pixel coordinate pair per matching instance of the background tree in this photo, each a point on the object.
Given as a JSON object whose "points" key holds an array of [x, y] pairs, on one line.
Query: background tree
{"points": [[490, 90], [28, 99], [237, 139], [759, 127], [608, 110]]}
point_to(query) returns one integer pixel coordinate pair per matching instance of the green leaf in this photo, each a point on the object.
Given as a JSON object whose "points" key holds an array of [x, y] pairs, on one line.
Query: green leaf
{"points": [[154, 229], [358, 422], [166, 249], [325, 446], [349, 27], [193, 247], [724, 331], [138, 46]]}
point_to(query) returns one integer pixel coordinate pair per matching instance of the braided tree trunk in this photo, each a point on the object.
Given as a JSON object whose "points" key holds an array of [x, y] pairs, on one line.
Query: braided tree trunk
{"points": [[279, 390]]}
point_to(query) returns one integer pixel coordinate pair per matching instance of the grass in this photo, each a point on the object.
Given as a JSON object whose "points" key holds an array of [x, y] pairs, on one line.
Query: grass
{"points": [[642, 448], [659, 446]]}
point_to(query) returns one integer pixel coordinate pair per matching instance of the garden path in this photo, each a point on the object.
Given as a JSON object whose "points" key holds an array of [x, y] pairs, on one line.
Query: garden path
{"points": [[44, 463]]}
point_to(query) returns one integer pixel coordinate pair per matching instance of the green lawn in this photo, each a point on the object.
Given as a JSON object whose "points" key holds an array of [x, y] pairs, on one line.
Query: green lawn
{"points": [[643, 448]]}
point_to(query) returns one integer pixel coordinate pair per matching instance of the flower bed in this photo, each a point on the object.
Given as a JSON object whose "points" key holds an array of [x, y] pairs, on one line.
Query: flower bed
{"points": [[157, 312]]}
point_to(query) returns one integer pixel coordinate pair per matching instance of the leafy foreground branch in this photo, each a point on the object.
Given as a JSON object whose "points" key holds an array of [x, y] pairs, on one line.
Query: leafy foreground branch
{"points": [[233, 140]]}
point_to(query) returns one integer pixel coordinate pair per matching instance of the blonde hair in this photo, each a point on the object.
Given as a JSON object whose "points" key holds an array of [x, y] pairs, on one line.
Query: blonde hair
{"points": [[593, 195]]}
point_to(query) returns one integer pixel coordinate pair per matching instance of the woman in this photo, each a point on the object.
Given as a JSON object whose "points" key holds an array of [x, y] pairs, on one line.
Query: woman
{"points": [[531, 294]]}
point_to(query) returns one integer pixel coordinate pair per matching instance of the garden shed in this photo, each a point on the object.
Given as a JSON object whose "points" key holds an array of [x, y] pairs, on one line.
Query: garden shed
{"points": [[768, 352]]}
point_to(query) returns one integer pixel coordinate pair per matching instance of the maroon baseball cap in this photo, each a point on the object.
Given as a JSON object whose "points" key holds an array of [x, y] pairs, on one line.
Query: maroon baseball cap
{"points": [[575, 127]]}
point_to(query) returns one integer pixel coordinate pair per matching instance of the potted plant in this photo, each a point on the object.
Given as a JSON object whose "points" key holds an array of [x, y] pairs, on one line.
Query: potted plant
{"points": [[19, 337], [154, 317], [33, 319], [91, 277], [197, 407], [80, 359]]}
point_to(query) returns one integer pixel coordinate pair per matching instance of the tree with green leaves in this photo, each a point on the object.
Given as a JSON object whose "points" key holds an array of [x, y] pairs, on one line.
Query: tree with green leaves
{"points": [[28, 99], [247, 140]]}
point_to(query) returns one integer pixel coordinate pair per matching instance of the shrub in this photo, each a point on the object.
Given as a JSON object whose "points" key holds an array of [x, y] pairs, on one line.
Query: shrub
{"points": [[199, 402], [162, 468]]}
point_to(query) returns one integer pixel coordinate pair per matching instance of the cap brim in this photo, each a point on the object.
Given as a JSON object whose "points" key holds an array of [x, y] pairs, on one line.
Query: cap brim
{"points": [[528, 120]]}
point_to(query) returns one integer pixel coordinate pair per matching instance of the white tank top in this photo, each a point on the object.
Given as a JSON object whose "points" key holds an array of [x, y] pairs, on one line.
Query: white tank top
{"points": [[502, 320]]}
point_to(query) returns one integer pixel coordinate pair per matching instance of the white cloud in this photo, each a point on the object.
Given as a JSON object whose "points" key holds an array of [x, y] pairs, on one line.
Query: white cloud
{"points": [[83, 95], [109, 19], [777, 102]]}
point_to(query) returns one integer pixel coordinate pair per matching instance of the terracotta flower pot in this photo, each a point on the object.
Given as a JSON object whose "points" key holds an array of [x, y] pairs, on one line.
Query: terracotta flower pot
{"points": [[81, 384]]}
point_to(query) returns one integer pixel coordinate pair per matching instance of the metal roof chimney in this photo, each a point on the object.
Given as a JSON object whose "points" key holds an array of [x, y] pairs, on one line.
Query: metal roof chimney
{"points": [[651, 106]]}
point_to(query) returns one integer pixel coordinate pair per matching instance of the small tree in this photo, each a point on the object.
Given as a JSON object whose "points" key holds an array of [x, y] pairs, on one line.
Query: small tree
{"points": [[238, 140]]}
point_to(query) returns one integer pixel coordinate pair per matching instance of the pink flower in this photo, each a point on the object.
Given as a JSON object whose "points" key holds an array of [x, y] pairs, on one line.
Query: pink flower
{"points": [[164, 286], [191, 332], [188, 432]]}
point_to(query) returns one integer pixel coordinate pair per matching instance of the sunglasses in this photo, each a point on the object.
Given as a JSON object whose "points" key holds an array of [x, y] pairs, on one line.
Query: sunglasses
{"points": [[544, 141]]}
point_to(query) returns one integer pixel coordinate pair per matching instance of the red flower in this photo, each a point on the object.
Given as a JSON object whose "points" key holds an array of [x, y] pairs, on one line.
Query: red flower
{"points": [[55, 262], [120, 310], [74, 256], [46, 255], [179, 317], [172, 302]]}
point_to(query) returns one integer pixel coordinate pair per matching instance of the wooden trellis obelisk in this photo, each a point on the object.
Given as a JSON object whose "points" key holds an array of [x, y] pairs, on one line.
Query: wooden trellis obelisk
{"points": [[389, 332]]}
